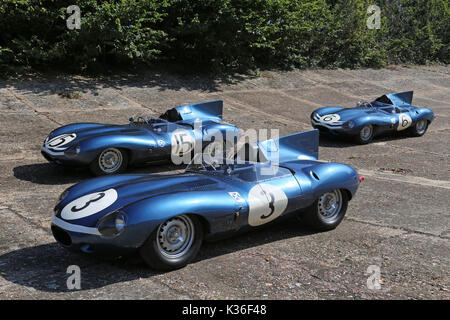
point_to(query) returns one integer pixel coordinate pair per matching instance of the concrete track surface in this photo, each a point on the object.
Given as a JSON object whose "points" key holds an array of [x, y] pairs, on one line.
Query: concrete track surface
{"points": [[399, 222]]}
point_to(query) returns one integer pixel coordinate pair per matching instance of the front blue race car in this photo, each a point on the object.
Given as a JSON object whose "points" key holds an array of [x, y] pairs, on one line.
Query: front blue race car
{"points": [[166, 217]]}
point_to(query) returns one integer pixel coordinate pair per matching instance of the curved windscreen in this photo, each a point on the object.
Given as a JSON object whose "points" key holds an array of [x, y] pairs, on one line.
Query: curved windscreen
{"points": [[384, 99], [158, 125], [250, 172]]}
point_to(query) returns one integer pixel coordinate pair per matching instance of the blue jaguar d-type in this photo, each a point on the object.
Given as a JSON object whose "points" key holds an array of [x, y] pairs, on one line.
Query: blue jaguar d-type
{"points": [[166, 217], [388, 113], [108, 149]]}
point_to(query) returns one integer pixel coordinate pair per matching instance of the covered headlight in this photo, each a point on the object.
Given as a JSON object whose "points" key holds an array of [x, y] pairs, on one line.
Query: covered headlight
{"points": [[112, 224], [349, 124], [315, 116], [73, 151], [63, 195]]}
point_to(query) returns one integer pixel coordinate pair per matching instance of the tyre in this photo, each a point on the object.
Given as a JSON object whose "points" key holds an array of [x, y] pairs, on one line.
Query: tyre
{"points": [[365, 135], [109, 161], [326, 212], [419, 128], [174, 244]]}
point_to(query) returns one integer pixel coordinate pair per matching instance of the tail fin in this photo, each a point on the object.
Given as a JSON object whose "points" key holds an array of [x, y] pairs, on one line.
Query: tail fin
{"points": [[211, 110], [298, 146], [401, 98]]}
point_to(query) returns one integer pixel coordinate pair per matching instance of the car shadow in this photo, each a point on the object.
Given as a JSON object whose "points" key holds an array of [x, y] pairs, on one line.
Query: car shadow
{"points": [[44, 267], [52, 174], [328, 141]]}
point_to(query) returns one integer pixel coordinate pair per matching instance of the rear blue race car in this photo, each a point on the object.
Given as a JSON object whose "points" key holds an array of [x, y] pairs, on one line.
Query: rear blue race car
{"points": [[387, 114]]}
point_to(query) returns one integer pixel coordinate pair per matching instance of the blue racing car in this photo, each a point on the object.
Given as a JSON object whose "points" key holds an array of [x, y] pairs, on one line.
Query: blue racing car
{"points": [[388, 113], [108, 149], [166, 217]]}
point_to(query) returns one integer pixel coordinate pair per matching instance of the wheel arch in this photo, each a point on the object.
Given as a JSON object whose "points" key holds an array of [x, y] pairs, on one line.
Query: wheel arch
{"points": [[348, 193], [203, 221]]}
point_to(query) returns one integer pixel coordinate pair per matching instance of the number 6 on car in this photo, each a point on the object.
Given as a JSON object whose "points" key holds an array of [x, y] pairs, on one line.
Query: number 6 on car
{"points": [[387, 114], [166, 217]]}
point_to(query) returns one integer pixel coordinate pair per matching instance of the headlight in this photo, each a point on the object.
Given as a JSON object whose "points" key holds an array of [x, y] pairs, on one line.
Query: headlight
{"points": [[112, 224], [63, 195], [349, 124], [73, 151], [315, 116]]}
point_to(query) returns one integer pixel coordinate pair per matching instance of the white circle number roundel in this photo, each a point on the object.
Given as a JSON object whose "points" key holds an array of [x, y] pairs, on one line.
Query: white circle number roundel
{"points": [[182, 142], [404, 121], [61, 140], [330, 118], [89, 204], [266, 203]]}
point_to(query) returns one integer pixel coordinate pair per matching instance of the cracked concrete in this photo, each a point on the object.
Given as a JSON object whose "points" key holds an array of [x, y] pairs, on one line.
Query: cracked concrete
{"points": [[399, 222]]}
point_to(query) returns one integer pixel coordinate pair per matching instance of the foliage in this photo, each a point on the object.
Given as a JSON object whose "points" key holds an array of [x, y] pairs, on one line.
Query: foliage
{"points": [[223, 35]]}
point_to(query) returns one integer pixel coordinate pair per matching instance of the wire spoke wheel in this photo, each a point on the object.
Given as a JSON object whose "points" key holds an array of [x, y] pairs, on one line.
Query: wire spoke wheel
{"points": [[110, 160], [175, 236]]}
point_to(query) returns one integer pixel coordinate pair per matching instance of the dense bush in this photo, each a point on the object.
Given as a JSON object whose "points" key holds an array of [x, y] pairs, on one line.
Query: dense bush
{"points": [[419, 30], [223, 34], [35, 32]]}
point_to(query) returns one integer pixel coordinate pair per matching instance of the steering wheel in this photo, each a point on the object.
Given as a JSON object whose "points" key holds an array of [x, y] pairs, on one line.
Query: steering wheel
{"points": [[141, 119], [229, 168], [364, 104]]}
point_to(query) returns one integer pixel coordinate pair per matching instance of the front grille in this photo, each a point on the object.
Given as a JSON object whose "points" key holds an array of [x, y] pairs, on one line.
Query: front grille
{"points": [[61, 236]]}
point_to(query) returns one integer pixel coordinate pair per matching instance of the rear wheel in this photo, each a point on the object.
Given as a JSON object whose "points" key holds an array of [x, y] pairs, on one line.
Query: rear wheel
{"points": [[174, 243], [109, 161], [327, 212], [419, 128], [365, 135]]}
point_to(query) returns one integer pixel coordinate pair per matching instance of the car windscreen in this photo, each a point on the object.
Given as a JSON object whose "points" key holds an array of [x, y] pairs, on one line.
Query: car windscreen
{"points": [[384, 99], [250, 172]]}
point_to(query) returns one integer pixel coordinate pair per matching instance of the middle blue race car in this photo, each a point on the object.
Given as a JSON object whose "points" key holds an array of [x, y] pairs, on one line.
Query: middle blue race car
{"points": [[388, 113], [166, 217], [108, 149]]}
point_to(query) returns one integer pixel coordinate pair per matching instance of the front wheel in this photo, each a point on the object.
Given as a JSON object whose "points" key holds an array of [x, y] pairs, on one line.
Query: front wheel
{"points": [[419, 128], [109, 161], [174, 243], [365, 135], [327, 212]]}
